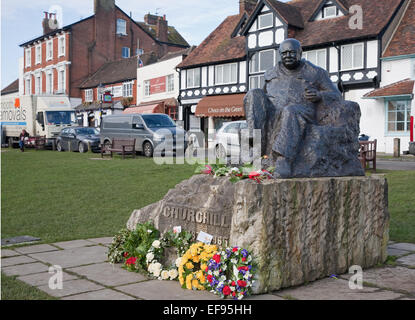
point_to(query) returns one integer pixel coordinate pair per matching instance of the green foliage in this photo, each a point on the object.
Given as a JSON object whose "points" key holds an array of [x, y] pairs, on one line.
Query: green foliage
{"points": [[180, 241], [116, 249], [139, 242]]}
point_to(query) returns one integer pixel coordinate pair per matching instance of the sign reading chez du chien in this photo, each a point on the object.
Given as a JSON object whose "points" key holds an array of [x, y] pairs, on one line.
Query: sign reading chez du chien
{"points": [[194, 220]]}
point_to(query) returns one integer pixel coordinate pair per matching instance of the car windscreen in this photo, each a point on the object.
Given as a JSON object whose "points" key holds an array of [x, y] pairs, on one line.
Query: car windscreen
{"points": [[87, 131], [60, 117], [158, 120]]}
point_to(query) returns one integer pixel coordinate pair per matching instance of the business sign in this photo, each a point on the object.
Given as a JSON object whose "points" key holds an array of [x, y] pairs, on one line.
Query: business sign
{"points": [[107, 97], [158, 85]]}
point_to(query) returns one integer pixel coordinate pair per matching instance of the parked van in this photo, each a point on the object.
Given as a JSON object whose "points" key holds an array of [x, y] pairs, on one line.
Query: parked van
{"points": [[148, 130]]}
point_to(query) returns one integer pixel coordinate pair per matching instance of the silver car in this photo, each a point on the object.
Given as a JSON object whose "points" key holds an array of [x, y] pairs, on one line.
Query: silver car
{"points": [[149, 130], [227, 139]]}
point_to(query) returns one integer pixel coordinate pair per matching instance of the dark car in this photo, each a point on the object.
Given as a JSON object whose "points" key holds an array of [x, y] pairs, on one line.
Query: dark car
{"points": [[78, 139]]}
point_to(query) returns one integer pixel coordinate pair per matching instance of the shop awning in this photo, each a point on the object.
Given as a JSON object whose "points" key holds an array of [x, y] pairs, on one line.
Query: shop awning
{"points": [[227, 105], [152, 108], [403, 89]]}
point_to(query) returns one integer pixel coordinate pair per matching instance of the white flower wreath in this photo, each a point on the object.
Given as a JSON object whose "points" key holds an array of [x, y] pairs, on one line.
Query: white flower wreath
{"points": [[155, 268]]}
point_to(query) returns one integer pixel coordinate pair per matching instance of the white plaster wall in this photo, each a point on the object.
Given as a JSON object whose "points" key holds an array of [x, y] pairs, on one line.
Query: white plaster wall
{"points": [[396, 70], [155, 70], [242, 72], [21, 81], [278, 22], [372, 54], [204, 76], [334, 60]]}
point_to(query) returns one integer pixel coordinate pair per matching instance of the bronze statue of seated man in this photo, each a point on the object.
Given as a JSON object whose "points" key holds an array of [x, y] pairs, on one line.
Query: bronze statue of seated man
{"points": [[307, 128]]}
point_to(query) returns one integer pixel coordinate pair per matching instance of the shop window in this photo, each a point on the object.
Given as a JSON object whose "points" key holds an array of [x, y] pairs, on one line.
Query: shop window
{"points": [[172, 111]]}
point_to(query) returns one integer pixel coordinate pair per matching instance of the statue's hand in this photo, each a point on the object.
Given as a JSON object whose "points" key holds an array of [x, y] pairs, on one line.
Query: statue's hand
{"points": [[312, 95]]}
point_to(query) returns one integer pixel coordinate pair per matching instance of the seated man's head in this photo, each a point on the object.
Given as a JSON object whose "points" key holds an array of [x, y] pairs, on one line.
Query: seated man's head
{"points": [[291, 53]]}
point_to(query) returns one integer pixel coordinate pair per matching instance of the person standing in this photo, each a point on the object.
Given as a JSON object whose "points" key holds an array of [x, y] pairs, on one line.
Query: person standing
{"points": [[22, 137]]}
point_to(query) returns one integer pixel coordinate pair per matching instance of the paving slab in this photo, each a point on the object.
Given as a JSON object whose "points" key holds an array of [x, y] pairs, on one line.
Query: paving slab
{"points": [[72, 287], [36, 248], [24, 269], [164, 290], [42, 279], [396, 252], [403, 246], [104, 241], [8, 253], [398, 278], [106, 294], [336, 289], [73, 257], [15, 260], [72, 244], [407, 260], [108, 274]]}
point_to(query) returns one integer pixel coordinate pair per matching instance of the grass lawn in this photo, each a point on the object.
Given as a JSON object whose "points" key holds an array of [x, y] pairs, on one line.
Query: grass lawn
{"points": [[13, 289], [65, 196]]}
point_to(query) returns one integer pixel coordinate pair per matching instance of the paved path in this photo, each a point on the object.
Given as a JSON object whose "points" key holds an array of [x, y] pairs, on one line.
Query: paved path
{"points": [[87, 276], [383, 164]]}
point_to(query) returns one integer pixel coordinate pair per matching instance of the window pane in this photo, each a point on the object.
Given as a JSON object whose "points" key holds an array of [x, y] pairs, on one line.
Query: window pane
{"points": [[265, 20], [266, 60], [347, 57], [189, 78], [312, 57], [234, 72], [400, 116], [321, 59], [392, 116], [254, 63], [391, 126], [358, 56], [226, 73], [400, 126], [253, 82], [330, 11], [261, 82], [197, 77]]}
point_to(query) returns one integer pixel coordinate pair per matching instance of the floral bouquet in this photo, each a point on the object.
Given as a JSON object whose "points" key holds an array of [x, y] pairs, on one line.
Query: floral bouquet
{"points": [[229, 273], [192, 264]]}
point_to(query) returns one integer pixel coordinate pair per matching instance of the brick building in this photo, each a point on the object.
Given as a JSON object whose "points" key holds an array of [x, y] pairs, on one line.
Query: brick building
{"points": [[61, 59]]}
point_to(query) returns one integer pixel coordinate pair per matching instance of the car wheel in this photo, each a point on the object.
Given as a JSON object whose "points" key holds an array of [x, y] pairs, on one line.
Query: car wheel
{"points": [[148, 149], [59, 146], [82, 148], [220, 152]]}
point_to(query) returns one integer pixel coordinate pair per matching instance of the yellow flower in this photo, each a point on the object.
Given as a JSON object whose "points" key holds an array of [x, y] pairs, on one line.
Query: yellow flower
{"points": [[195, 283], [201, 288], [189, 265], [181, 280], [181, 270], [193, 251], [203, 266], [196, 259], [189, 281]]}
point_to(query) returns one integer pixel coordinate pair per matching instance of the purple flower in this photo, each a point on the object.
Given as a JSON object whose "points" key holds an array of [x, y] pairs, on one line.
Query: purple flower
{"points": [[244, 253]]}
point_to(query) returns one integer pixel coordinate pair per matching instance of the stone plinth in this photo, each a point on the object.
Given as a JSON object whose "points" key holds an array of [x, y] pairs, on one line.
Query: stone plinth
{"points": [[298, 230]]}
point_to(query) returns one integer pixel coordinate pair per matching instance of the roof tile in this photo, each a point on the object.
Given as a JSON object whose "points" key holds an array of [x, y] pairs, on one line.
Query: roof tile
{"points": [[398, 88]]}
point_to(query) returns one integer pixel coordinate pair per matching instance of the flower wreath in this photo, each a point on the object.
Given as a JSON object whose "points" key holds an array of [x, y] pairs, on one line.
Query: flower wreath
{"points": [[180, 241], [229, 273], [192, 264]]}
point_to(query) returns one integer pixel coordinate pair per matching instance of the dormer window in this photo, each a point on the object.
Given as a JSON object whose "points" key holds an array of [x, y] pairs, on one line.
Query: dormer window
{"points": [[330, 11]]}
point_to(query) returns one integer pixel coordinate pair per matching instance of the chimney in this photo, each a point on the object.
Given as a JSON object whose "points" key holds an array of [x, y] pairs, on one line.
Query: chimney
{"points": [[48, 23], [247, 6], [150, 19], [162, 29], [103, 5]]}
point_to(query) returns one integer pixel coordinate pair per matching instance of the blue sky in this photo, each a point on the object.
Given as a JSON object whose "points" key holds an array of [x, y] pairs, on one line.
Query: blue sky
{"points": [[21, 20]]}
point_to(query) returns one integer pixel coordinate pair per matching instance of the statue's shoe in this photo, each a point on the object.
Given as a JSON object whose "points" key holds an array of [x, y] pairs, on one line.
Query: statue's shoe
{"points": [[282, 169]]}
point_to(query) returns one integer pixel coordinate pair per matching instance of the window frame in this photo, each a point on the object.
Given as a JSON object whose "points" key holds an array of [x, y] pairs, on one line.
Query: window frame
{"points": [[170, 82], [89, 95], [406, 120], [258, 76], [353, 52], [317, 51], [124, 33], [38, 55], [49, 43], [324, 12], [49, 82], [146, 88], [61, 84], [223, 73], [127, 89], [28, 57], [263, 15], [61, 47], [259, 61], [122, 52], [195, 85]]}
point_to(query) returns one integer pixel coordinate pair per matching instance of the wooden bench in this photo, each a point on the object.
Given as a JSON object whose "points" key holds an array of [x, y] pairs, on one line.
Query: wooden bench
{"points": [[124, 146], [368, 153]]}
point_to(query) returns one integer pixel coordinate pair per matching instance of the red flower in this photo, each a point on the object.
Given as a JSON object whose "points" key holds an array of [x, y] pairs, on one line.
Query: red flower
{"points": [[207, 269], [235, 249], [216, 257], [233, 283], [208, 170], [254, 174], [125, 254], [243, 268], [243, 259], [131, 261], [209, 277], [242, 283], [233, 294], [226, 290]]}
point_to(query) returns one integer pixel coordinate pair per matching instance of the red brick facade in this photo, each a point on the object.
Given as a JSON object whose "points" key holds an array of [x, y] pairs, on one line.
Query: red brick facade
{"points": [[89, 44]]}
